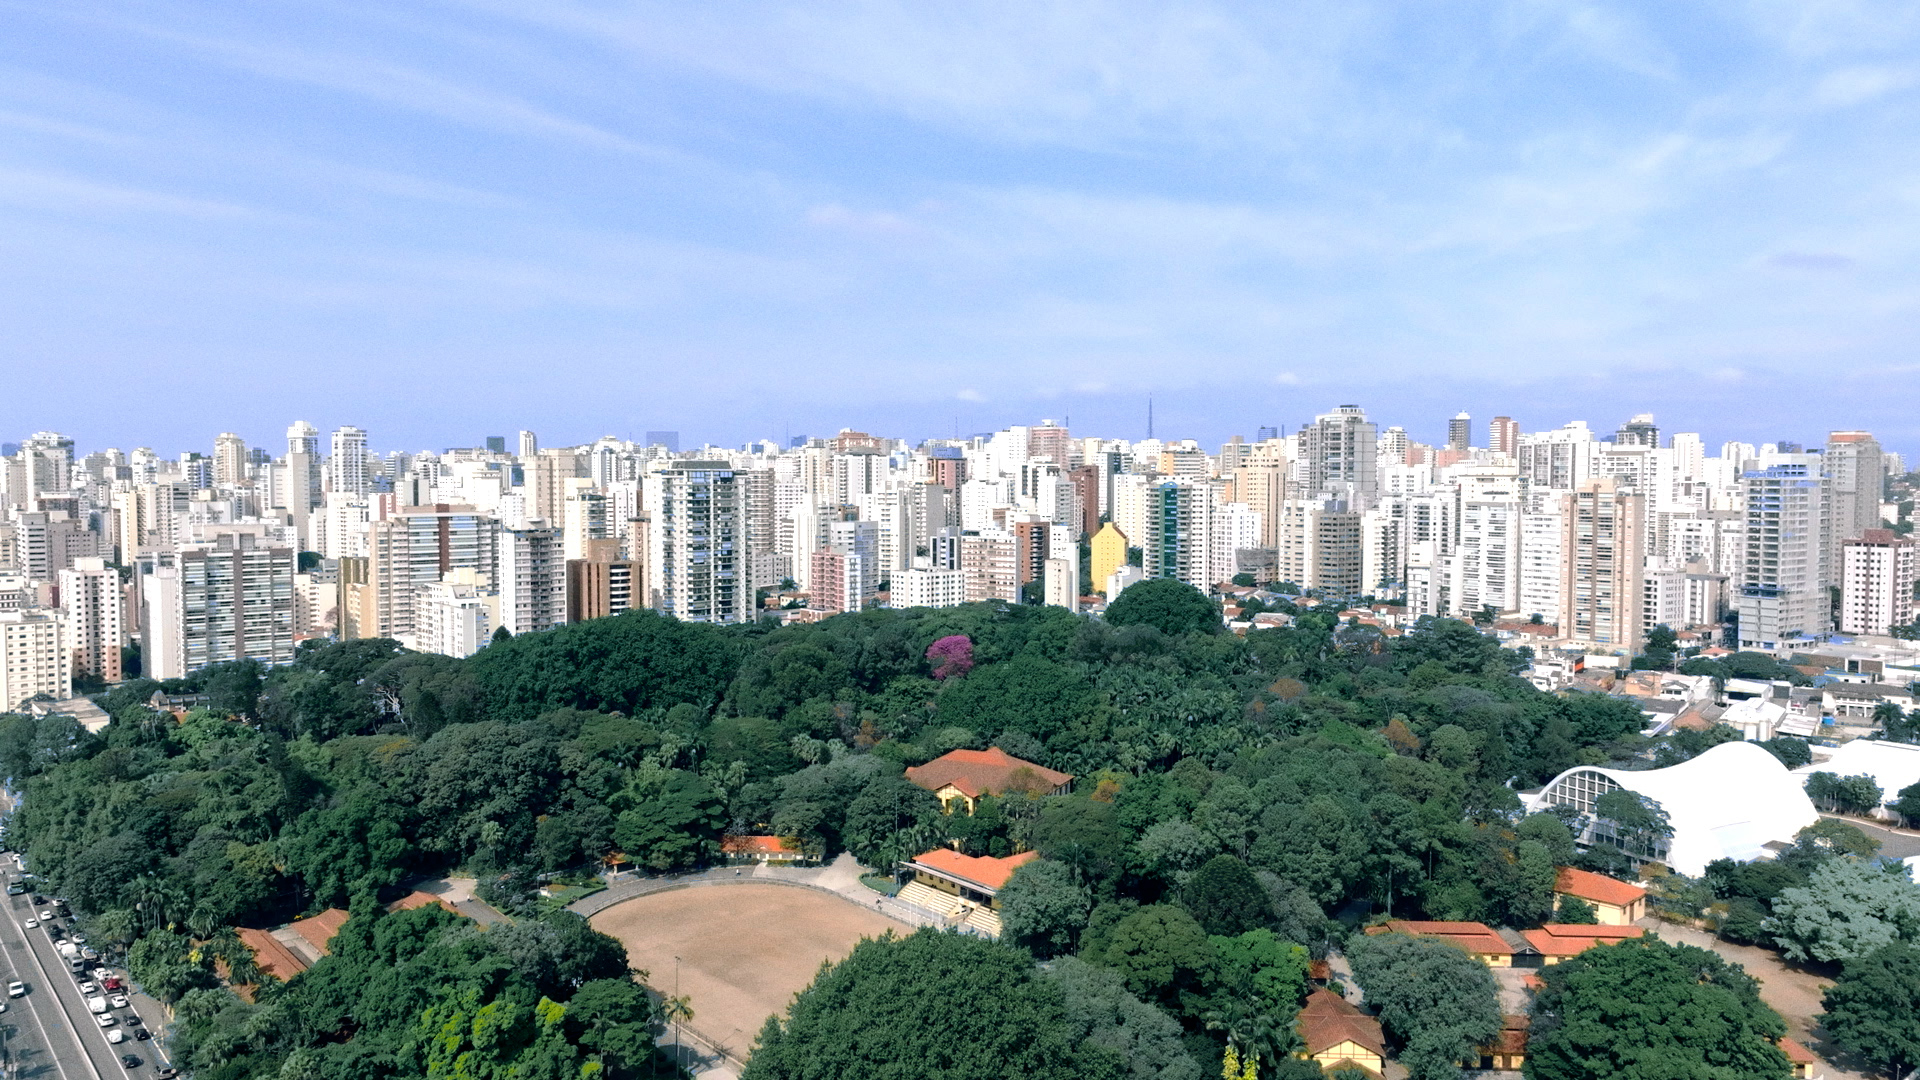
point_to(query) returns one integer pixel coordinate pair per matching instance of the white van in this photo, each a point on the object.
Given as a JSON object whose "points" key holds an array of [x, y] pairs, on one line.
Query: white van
{"points": [[96, 1004]]}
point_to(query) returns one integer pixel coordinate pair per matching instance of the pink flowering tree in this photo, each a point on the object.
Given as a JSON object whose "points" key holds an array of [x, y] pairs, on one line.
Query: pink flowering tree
{"points": [[951, 656]]}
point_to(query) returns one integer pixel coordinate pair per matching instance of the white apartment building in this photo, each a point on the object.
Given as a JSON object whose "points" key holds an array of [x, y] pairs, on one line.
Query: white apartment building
{"points": [[531, 577], [235, 602], [347, 467], [699, 566], [1783, 591], [91, 598], [34, 657], [456, 616], [929, 586], [1876, 582], [1541, 546]]}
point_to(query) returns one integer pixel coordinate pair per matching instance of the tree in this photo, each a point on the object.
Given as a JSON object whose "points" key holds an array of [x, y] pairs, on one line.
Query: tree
{"points": [[1848, 908], [1260, 968], [1844, 794], [1576, 911], [1161, 953], [1643, 1009], [1043, 906], [1225, 898], [1638, 824], [1439, 1002], [951, 656], [1908, 803], [1104, 1019], [1873, 1009], [1792, 752], [676, 820], [1169, 605], [931, 1004]]}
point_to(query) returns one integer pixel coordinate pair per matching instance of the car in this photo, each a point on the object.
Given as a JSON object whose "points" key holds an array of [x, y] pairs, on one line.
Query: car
{"points": [[134, 1020], [141, 1034], [17, 889], [16, 988], [3, 1006], [79, 939], [87, 988], [107, 1019], [128, 1061], [118, 1001], [31, 924], [46, 915], [111, 982], [167, 1073], [56, 933], [116, 1036]]}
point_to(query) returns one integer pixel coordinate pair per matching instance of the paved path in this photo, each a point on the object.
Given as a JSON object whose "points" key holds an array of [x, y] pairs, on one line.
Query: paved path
{"points": [[1895, 843]]}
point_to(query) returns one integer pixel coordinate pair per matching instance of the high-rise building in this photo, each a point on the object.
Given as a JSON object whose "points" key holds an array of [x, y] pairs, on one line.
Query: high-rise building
{"points": [[229, 460], [1107, 552], [602, 583], [1341, 451], [529, 445], [1639, 431], [699, 567], [1542, 535], [1320, 547], [456, 616], [1051, 442], [1876, 582], [34, 657], [1856, 479], [50, 540], [1783, 591], [496, 444], [1603, 557], [299, 476], [1485, 562], [990, 566], [47, 462], [532, 578], [91, 598], [1460, 432], [1561, 459], [236, 601], [1177, 535], [347, 468], [1503, 436], [585, 517], [546, 476], [419, 545]]}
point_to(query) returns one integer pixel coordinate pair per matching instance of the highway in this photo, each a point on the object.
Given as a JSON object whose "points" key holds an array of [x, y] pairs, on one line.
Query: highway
{"points": [[49, 1031]]}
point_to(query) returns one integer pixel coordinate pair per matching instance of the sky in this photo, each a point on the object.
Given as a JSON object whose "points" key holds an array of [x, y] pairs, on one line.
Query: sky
{"points": [[455, 218]]}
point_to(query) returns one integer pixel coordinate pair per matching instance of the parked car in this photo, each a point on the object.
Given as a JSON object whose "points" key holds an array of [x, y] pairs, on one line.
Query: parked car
{"points": [[56, 933], [31, 924], [16, 988], [89, 953], [118, 1001], [167, 1073], [79, 939], [18, 888]]}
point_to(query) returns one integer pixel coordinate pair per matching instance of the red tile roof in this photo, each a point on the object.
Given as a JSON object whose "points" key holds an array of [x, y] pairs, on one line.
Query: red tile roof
{"points": [[270, 956], [756, 845], [1588, 885], [1477, 938], [983, 870], [1512, 1038], [1797, 1054], [1327, 1020], [320, 929], [1568, 939], [986, 772], [418, 899]]}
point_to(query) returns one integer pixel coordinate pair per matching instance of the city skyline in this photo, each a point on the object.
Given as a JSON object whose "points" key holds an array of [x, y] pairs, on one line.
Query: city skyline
{"points": [[891, 217]]}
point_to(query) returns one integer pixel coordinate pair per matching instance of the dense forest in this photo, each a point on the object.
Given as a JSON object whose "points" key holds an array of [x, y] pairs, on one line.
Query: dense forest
{"points": [[1233, 792]]}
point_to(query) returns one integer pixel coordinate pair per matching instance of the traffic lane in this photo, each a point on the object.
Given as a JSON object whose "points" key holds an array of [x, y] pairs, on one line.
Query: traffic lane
{"points": [[102, 1055], [46, 996], [37, 1040]]}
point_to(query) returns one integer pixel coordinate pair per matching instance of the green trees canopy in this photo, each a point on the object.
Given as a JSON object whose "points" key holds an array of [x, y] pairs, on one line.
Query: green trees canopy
{"points": [[1843, 794], [1225, 898], [1873, 1009], [1043, 906], [1439, 1002], [1169, 605], [1848, 908], [1160, 952], [1647, 1010], [931, 1004]]}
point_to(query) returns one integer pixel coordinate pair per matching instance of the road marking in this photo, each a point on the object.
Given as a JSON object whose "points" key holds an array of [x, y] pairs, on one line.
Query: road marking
{"points": [[59, 1000]]}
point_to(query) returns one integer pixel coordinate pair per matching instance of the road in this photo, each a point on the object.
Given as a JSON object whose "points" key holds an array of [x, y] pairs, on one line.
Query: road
{"points": [[53, 1035]]}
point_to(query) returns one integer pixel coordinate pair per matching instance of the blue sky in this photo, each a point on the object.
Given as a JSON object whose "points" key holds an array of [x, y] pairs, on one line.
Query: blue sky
{"points": [[443, 220]]}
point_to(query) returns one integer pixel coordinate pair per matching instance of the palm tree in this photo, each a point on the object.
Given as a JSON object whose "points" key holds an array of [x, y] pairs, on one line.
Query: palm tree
{"points": [[1251, 1031]]}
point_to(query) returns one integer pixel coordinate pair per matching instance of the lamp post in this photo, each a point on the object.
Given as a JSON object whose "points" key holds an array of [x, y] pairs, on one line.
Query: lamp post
{"points": [[679, 1048]]}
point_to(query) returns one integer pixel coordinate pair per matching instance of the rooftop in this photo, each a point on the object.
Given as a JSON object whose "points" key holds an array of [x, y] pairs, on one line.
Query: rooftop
{"points": [[1477, 938], [985, 871], [320, 929], [1588, 885], [1327, 1020], [986, 772]]}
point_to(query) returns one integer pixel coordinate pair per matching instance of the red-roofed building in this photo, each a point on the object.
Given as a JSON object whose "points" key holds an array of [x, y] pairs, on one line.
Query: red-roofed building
{"points": [[1338, 1034], [1799, 1058], [961, 888], [966, 775], [319, 929], [1508, 1050], [270, 956], [1478, 939], [1558, 941], [761, 849], [418, 899], [1615, 902]]}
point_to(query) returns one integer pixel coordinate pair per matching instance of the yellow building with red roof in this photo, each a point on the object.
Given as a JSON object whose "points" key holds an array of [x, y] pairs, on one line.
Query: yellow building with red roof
{"points": [[963, 889], [1614, 902], [964, 776], [1558, 941], [1478, 939], [1336, 1034]]}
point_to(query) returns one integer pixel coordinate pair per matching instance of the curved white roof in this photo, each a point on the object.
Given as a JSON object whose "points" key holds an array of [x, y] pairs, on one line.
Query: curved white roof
{"points": [[1727, 803], [1892, 765]]}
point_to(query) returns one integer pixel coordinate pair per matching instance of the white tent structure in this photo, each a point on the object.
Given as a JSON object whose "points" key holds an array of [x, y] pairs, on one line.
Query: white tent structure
{"points": [[1728, 803], [1892, 765]]}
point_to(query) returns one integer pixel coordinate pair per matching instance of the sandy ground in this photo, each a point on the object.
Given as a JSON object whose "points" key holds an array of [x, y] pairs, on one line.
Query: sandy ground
{"points": [[745, 949]]}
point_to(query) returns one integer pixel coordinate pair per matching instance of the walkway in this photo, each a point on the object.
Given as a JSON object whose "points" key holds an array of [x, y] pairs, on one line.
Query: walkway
{"points": [[840, 877]]}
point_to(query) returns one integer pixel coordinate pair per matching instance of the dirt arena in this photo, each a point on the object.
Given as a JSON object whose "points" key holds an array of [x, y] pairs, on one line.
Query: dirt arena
{"points": [[744, 950]]}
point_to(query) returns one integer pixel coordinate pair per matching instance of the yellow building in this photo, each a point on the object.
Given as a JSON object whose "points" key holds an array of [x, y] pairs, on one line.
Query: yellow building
{"points": [[1614, 902], [1109, 554], [1334, 1034]]}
